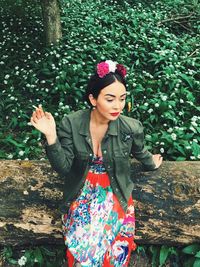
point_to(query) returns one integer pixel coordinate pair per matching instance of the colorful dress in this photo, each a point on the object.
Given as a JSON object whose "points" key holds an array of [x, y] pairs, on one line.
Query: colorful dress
{"points": [[96, 229]]}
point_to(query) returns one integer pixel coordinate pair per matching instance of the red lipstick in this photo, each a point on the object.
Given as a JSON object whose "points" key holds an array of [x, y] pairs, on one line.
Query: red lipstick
{"points": [[114, 114]]}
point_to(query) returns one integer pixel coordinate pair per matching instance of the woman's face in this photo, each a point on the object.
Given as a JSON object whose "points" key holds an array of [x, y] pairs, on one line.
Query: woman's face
{"points": [[111, 101]]}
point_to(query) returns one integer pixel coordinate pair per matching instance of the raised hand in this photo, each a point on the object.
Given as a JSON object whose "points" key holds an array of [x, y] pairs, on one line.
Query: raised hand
{"points": [[43, 121]]}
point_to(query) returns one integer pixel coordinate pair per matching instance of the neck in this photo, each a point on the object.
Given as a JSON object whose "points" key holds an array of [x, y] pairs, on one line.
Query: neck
{"points": [[97, 119]]}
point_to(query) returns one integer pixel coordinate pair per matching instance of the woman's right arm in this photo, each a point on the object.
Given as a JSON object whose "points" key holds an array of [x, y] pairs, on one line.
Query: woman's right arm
{"points": [[59, 149]]}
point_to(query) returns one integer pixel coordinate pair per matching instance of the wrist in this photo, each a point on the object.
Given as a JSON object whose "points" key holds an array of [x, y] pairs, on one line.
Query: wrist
{"points": [[51, 138]]}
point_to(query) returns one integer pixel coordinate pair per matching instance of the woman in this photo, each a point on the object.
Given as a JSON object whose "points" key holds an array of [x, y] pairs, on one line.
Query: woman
{"points": [[91, 151]]}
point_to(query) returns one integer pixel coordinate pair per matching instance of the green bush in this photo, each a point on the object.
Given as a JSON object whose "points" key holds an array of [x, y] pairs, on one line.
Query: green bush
{"points": [[158, 41]]}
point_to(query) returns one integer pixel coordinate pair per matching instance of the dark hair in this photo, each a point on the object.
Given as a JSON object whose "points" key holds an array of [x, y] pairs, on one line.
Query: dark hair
{"points": [[96, 84]]}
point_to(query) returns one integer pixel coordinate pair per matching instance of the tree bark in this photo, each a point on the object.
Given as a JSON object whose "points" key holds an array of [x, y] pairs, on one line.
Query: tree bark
{"points": [[167, 203], [51, 20]]}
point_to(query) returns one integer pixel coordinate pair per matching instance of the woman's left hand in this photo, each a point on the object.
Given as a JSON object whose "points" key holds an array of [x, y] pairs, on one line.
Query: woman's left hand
{"points": [[157, 158]]}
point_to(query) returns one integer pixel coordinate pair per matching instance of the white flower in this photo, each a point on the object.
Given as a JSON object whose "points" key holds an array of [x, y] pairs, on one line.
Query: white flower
{"points": [[181, 101], [164, 97], [156, 105], [22, 261], [188, 147], [170, 130], [194, 118], [173, 136], [192, 129], [150, 110], [195, 140], [198, 156], [21, 153], [194, 123], [192, 157], [7, 76], [112, 65], [162, 150], [146, 104], [10, 156]]}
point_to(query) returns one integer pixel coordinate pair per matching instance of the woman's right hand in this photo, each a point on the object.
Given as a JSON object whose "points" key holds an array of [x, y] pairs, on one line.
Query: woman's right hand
{"points": [[43, 121]]}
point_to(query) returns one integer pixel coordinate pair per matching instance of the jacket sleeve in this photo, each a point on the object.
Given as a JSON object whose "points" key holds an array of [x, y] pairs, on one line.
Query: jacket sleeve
{"points": [[61, 154], [139, 151]]}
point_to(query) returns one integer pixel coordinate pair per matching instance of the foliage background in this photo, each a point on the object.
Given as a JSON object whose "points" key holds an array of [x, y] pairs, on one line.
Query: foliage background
{"points": [[158, 41]]}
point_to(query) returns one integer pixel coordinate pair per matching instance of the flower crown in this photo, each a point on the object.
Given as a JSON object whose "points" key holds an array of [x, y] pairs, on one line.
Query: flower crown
{"points": [[105, 67]]}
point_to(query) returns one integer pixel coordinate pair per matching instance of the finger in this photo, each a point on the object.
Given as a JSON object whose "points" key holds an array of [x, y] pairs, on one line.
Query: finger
{"points": [[41, 110], [48, 115], [35, 119], [32, 121], [38, 114]]}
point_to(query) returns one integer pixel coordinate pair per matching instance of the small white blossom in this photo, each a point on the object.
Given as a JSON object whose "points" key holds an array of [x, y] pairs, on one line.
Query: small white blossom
{"points": [[156, 105], [194, 123], [192, 129], [7, 76], [181, 101], [146, 104], [192, 157], [22, 261], [150, 110], [21, 153], [162, 150], [164, 97], [10, 156], [195, 140], [173, 136], [170, 130]]}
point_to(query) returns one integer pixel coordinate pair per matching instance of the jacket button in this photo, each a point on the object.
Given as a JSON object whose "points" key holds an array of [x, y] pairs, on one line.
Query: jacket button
{"points": [[104, 152]]}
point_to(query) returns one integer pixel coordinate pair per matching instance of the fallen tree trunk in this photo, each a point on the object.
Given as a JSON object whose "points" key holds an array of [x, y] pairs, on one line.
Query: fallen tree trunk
{"points": [[167, 203]]}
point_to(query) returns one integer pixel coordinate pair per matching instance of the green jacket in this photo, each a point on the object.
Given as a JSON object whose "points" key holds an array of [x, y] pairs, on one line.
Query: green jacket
{"points": [[71, 154]]}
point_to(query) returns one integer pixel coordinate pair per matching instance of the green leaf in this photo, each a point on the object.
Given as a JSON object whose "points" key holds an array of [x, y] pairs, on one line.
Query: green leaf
{"points": [[164, 252], [197, 255], [38, 256], [191, 249], [187, 79], [155, 253], [196, 263]]}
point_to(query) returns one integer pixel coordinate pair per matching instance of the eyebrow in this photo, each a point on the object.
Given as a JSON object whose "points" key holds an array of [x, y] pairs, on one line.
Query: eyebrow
{"points": [[114, 95]]}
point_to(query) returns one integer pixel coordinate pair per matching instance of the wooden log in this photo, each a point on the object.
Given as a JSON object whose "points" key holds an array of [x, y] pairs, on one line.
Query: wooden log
{"points": [[167, 203]]}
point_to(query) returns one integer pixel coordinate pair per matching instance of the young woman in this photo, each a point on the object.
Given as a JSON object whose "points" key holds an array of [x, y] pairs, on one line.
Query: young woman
{"points": [[91, 150]]}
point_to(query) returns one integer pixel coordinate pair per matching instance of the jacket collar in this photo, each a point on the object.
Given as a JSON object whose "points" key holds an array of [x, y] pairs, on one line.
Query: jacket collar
{"points": [[85, 125]]}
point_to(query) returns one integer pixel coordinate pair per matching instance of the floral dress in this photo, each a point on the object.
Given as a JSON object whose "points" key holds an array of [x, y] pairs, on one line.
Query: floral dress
{"points": [[97, 231]]}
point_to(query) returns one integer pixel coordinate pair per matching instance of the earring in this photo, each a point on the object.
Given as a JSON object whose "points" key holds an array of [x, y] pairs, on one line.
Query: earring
{"points": [[94, 107]]}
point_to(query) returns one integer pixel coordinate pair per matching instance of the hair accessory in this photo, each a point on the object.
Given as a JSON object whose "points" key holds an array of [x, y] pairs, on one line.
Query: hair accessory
{"points": [[105, 67]]}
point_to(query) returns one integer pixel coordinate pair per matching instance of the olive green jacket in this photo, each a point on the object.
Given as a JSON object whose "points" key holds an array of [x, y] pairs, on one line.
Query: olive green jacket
{"points": [[70, 156]]}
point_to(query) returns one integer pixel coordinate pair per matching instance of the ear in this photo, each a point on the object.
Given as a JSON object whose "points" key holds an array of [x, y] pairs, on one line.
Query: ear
{"points": [[93, 101]]}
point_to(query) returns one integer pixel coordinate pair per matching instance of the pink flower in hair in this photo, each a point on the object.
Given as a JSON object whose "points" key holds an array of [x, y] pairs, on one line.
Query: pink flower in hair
{"points": [[121, 69], [102, 69]]}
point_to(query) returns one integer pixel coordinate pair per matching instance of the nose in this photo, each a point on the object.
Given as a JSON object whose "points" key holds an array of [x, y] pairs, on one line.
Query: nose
{"points": [[117, 105]]}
